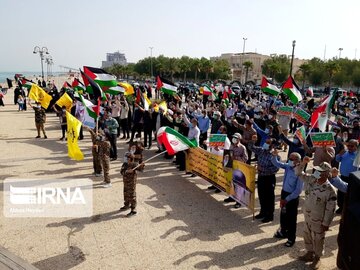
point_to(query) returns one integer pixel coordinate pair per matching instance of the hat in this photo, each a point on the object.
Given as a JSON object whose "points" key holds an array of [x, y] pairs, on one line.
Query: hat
{"points": [[323, 167], [237, 135], [217, 113]]}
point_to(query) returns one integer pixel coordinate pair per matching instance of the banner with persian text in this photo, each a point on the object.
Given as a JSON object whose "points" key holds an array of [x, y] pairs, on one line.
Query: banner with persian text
{"points": [[238, 181]]}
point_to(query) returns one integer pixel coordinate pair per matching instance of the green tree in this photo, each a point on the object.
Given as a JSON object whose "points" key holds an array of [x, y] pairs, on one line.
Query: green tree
{"points": [[184, 65], [196, 67], [248, 65], [277, 67], [331, 68], [221, 70], [207, 67], [355, 78], [171, 66], [305, 70]]}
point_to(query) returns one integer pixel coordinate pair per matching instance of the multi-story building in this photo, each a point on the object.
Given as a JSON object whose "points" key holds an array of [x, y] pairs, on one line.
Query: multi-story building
{"points": [[114, 58], [238, 71]]}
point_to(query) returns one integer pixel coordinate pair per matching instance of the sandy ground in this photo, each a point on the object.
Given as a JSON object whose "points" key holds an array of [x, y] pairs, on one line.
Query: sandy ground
{"points": [[180, 224]]}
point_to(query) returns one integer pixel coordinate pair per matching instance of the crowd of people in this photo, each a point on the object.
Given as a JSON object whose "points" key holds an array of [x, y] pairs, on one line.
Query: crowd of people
{"points": [[256, 133]]}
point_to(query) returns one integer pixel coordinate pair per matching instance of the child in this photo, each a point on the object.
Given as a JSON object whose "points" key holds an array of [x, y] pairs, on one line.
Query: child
{"points": [[63, 121], [20, 101], [129, 179]]}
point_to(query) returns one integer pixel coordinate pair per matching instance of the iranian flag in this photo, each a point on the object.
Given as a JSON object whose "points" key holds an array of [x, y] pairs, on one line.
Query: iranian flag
{"points": [[321, 115], [105, 80], [301, 134], [291, 89], [322, 139], [173, 141], [166, 86], [268, 87], [206, 90]]}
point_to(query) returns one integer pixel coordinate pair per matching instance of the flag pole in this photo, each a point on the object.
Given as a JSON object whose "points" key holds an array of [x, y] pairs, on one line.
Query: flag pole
{"points": [[163, 152]]}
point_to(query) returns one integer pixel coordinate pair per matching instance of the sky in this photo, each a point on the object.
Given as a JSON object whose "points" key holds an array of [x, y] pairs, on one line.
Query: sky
{"points": [[81, 32]]}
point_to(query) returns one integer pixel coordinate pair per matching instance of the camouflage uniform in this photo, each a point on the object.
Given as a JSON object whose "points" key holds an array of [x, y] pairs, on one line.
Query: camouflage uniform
{"points": [[104, 155], [40, 119], [95, 153], [129, 179], [138, 153], [319, 208]]}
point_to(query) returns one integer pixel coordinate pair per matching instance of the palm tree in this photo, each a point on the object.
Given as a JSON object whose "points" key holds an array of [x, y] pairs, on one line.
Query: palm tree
{"points": [[172, 66], [207, 66], [332, 67], [248, 65], [184, 64], [305, 71], [196, 66]]}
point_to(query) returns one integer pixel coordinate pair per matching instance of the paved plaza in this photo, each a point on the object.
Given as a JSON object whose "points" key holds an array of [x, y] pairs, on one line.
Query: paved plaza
{"points": [[180, 224]]}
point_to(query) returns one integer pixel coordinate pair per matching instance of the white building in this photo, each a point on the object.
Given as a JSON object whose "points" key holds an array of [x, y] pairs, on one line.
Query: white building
{"points": [[114, 58]]}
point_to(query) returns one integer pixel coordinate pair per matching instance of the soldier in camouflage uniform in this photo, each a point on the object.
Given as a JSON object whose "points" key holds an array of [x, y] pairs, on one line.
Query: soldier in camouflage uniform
{"points": [[95, 152], [104, 146], [136, 148], [129, 179], [319, 208], [40, 119]]}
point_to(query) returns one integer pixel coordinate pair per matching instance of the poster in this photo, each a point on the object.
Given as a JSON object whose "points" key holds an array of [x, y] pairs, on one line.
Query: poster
{"points": [[238, 181]]}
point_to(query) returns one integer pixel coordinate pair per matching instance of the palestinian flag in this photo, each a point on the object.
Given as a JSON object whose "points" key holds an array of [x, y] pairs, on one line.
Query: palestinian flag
{"points": [[78, 86], [301, 134], [322, 139], [322, 114], [268, 87], [25, 83], [92, 110], [166, 86], [301, 116], [105, 80], [66, 86], [173, 141], [225, 97], [92, 87], [291, 89]]}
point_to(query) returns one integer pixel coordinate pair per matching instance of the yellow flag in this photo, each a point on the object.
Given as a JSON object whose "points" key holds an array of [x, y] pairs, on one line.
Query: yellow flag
{"points": [[147, 102], [129, 90], [66, 101], [162, 105], [73, 130], [39, 95]]}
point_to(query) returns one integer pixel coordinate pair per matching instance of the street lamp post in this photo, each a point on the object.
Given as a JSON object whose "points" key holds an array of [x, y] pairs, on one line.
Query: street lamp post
{"points": [[243, 58], [49, 62], [292, 56], [340, 49], [41, 53], [151, 62]]}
